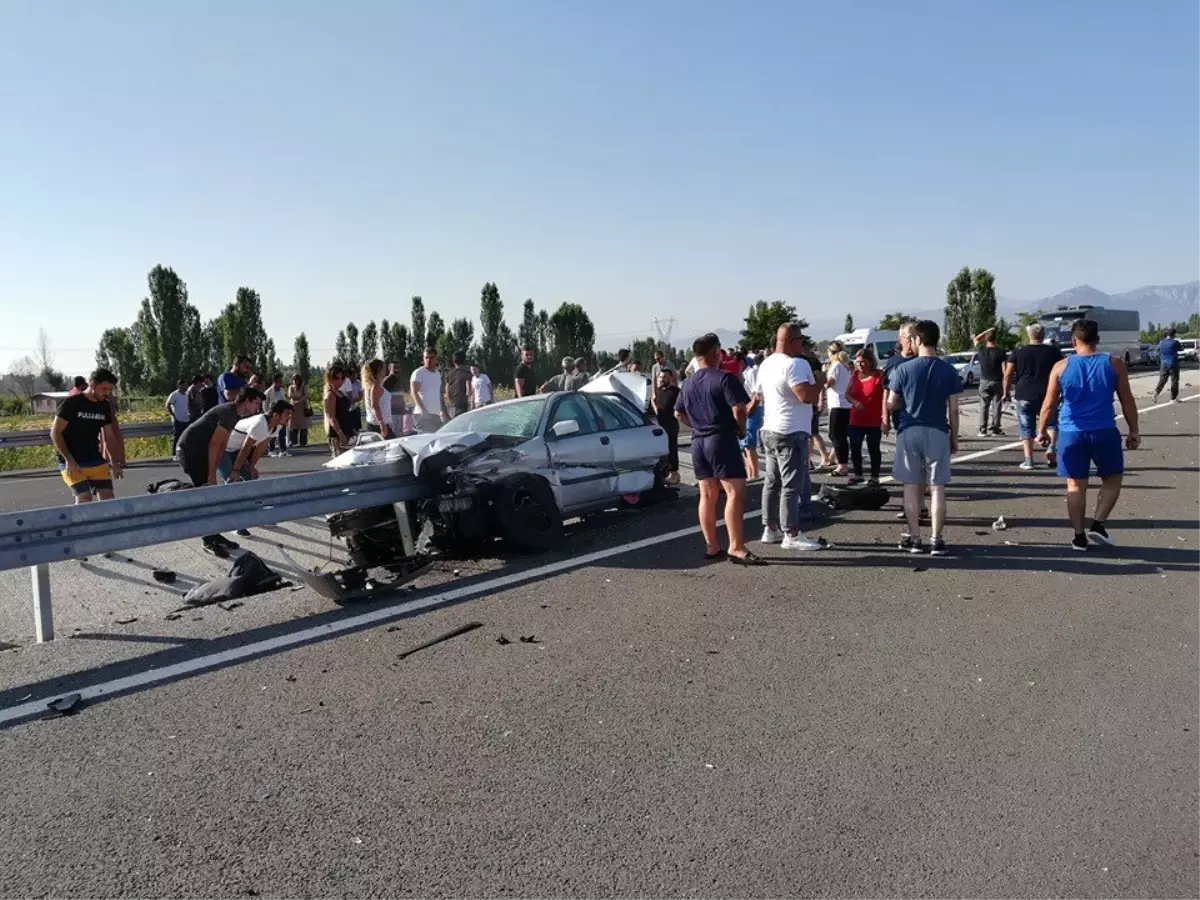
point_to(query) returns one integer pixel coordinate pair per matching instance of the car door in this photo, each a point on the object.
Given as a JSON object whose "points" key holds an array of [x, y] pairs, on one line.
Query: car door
{"points": [[583, 459], [637, 446]]}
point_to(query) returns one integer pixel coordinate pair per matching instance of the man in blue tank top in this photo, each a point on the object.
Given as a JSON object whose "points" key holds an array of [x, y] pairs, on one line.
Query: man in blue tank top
{"points": [[1087, 429]]}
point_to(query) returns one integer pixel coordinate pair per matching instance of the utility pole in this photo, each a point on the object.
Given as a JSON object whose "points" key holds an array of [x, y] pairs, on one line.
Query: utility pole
{"points": [[663, 328]]}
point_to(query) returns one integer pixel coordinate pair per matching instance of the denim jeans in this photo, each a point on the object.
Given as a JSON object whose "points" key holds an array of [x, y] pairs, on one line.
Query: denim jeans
{"points": [[225, 467], [786, 488]]}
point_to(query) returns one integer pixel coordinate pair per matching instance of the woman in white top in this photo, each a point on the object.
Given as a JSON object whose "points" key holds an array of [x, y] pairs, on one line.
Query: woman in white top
{"points": [[837, 381], [378, 400]]}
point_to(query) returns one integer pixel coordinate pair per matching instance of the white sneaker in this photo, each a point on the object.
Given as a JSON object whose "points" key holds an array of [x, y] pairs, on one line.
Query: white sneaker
{"points": [[800, 542], [772, 536]]}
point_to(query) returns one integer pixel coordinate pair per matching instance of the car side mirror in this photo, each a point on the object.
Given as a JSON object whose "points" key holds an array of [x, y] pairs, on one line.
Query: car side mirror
{"points": [[564, 428]]}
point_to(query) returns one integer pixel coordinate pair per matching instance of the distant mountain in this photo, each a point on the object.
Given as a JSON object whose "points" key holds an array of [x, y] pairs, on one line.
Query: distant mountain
{"points": [[1156, 303]]}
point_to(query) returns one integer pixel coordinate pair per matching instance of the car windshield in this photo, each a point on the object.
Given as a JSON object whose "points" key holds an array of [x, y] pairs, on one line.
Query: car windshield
{"points": [[515, 418]]}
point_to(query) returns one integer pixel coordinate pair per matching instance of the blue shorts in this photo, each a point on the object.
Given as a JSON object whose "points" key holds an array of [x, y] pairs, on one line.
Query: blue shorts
{"points": [[753, 425], [718, 456], [1077, 450]]}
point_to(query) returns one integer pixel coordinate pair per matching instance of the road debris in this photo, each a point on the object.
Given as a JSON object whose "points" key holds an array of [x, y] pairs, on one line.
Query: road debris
{"points": [[63, 706], [999, 524], [164, 576], [230, 607], [171, 617], [529, 639], [502, 640], [462, 629], [128, 621]]}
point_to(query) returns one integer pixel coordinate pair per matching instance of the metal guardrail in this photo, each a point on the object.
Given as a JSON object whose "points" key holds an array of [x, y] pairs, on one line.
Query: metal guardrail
{"points": [[41, 436], [36, 538]]}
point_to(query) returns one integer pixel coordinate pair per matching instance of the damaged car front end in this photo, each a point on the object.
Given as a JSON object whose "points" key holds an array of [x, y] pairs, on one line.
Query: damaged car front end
{"points": [[513, 471]]}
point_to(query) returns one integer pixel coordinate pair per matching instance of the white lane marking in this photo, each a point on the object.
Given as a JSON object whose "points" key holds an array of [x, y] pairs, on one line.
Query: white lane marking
{"points": [[317, 632]]}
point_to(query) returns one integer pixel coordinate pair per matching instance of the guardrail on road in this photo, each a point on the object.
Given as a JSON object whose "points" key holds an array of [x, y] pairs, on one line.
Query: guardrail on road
{"points": [[41, 436], [36, 538]]}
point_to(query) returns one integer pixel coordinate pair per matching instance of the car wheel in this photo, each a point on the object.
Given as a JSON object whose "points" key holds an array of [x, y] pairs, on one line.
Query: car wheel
{"points": [[526, 514], [1128, 361]]}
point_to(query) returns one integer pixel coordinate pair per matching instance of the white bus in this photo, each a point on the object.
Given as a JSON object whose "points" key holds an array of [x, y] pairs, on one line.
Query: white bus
{"points": [[1120, 329]]}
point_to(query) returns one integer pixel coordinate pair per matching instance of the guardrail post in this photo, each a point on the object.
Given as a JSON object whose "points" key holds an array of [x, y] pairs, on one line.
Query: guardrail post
{"points": [[43, 613]]}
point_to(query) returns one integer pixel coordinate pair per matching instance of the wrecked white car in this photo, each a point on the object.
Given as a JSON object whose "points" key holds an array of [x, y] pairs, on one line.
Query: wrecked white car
{"points": [[514, 470]]}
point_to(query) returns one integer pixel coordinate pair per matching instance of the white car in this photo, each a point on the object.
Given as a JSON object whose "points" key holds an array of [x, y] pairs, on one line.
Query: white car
{"points": [[1187, 349], [967, 366]]}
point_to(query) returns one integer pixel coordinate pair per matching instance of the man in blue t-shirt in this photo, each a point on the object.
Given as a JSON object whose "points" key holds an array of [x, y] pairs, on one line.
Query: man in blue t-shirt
{"points": [[712, 403], [235, 379], [923, 399], [1168, 365]]}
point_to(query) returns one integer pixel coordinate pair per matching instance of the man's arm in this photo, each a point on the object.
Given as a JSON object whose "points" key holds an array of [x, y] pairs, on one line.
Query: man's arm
{"points": [[246, 450], [56, 438], [519, 384], [1010, 370], [739, 417], [167, 406], [982, 336], [112, 438], [1128, 405], [952, 403], [414, 388], [1050, 404], [215, 448]]}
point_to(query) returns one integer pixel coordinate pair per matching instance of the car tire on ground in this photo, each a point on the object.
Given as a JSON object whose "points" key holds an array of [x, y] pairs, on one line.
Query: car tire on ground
{"points": [[526, 514]]}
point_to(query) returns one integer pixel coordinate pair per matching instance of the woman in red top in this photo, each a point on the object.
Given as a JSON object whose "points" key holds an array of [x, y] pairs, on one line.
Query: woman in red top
{"points": [[866, 414]]}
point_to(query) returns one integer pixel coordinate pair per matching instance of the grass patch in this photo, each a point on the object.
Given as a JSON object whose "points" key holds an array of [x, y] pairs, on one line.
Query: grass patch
{"points": [[42, 422], [18, 459]]}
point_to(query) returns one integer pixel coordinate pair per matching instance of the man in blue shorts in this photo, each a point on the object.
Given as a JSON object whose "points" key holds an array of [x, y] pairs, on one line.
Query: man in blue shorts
{"points": [[713, 404], [1087, 429], [1027, 375]]}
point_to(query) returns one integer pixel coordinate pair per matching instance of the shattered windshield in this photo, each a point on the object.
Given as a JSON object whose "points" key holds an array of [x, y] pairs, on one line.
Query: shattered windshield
{"points": [[515, 418]]}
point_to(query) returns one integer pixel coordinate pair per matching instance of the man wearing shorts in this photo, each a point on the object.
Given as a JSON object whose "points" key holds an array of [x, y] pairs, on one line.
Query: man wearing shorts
{"points": [[713, 404], [1087, 429], [76, 433], [923, 399], [1027, 375]]}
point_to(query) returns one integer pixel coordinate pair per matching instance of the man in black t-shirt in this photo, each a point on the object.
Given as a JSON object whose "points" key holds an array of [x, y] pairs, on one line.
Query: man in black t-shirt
{"points": [[458, 386], [203, 443], [524, 378], [75, 433], [394, 381], [991, 381], [1027, 377]]}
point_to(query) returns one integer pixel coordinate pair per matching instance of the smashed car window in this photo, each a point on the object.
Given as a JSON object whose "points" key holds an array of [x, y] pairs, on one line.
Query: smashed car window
{"points": [[615, 413], [573, 406], [518, 418]]}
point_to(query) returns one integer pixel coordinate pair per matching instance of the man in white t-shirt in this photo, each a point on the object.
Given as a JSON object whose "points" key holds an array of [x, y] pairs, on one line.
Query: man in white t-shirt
{"points": [[248, 441], [426, 386], [481, 388], [788, 388]]}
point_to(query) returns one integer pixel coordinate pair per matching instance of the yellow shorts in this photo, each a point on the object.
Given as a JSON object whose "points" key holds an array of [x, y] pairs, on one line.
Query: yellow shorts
{"points": [[91, 479]]}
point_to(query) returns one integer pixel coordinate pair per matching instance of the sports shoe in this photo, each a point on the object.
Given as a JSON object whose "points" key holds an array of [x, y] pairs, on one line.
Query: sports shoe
{"points": [[997, 432], [1098, 534], [910, 544], [226, 542], [801, 541], [244, 532], [1154, 399], [924, 515], [1026, 464], [937, 547], [1080, 543], [982, 432], [772, 536], [1051, 459]]}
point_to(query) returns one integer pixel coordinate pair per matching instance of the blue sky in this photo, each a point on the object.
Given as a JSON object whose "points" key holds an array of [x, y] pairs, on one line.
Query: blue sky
{"points": [[640, 158]]}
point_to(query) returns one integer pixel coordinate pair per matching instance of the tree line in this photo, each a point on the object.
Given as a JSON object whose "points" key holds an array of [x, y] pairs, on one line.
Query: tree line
{"points": [[168, 341]]}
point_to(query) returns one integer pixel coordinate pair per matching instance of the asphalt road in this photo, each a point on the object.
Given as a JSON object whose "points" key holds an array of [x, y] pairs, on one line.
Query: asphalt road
{"points": [[1015, 720]]}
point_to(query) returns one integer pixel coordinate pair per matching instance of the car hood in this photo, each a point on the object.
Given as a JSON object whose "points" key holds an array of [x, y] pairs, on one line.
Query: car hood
{"points": [[419, 448], [633, 387]]}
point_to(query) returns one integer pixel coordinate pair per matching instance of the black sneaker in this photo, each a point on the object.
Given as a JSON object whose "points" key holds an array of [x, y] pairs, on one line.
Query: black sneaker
{"points": [[937, 547], [1080, 543], [900, 516], [982, 432], [227, 543], [244, 532], [217, 550], [997, 432], [1098, 534], [910, 544]]}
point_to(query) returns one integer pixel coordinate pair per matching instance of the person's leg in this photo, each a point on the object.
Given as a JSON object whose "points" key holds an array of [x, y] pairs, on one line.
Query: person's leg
{"points": [[791, 459], [874, 441], [1164, 374], [751, 462], [293, 436], [985, 409], [1106, 498], [735, 509], [856, 436], [1077, 503], [908, 470], [997, 406], [1027, 430], [913, 495], [1108, 453], [772, 483], [1175, 382], [283, 440], [805, 488], [196, 471], [710, 491], [937, 511], [303, 437], [839, 423]]}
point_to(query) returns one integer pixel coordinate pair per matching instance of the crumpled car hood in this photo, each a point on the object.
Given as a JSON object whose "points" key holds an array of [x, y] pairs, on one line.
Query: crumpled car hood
{"points": [[419, 448]]}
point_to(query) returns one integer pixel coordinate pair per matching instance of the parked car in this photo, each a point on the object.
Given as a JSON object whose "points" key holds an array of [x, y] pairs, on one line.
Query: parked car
{"points": [[515, 470], [1149, 355], [1187, 349], [967, 366]]}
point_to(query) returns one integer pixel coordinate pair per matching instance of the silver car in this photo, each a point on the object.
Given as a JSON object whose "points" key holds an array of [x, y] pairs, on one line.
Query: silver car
{"points": [[518, 468]]}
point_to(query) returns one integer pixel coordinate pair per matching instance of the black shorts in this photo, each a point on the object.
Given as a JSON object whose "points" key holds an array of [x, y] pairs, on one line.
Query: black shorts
{"points": [[718, 456], [195, 468]]}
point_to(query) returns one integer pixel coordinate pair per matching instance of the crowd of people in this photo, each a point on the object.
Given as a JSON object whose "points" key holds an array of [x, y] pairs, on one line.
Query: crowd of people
{"points": [[748, 413]]}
